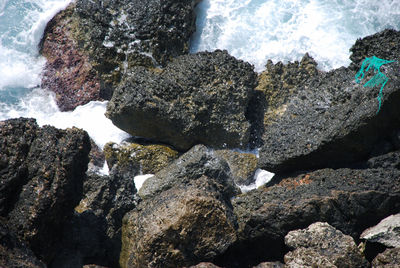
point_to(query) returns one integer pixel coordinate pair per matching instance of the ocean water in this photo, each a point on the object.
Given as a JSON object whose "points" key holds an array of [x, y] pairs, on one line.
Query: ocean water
{"points": [[22, 23], [283, 30], [253, 30]]}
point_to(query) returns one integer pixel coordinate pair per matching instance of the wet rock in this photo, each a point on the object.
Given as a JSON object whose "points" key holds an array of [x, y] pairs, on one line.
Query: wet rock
{"points": [[14, 253], [196, 99], [382, 45], [321, 245], [147, 158], [348, 199], [279, 82], [47, 183], [242, 165], [198, 162], [92, 44], [93, 236], [68, 71], [390, 258], [185, 216], [333, 122], [387, 232]]}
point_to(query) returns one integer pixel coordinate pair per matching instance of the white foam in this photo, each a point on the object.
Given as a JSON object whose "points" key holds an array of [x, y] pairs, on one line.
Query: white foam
{"points": [[261, 177], [140, 179], [40, 104], [283, 30]]}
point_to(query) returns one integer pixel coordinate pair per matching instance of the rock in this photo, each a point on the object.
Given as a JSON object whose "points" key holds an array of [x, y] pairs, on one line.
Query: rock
{"points": [[242, 165], [348, 199], [382, 45], [185, 216], [390, 258], [196, 99], [205, 265], [68, 71], [194, 164], [279, 82], [321, 245], [148, 158], [93, 236], [270, 265], [333, 122], [46, 181], [14, 253], [91, 44], [387, 232]]}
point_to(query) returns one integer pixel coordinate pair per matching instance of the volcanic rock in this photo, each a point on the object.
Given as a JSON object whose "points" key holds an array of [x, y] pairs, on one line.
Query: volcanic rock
{"points": [[390, 258], [14, 253], [147, 158], [350, 200], [321, 245], [382, 45], [41, 178], [93, 235], [185, 216], [331, 121], [91, 44], [196, 99], [387, 232], [242, 165]]}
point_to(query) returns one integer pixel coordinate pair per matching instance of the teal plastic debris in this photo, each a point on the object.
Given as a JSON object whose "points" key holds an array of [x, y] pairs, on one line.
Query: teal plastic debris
{"points": [[379, 78]]}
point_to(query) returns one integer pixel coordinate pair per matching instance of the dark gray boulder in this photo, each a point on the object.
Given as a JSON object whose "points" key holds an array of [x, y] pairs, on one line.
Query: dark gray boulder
{"points": [[47, 168], [196, 99], [350, 200], [331, 121], [321, 245], [185, 216]]}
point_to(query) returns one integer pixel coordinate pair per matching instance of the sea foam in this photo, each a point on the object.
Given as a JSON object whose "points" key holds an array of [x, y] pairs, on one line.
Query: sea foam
{"points": [[283, 30]]}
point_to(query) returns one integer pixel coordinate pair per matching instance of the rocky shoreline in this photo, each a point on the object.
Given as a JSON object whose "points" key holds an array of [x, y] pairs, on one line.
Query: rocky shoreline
{"points": [[334, 200]]}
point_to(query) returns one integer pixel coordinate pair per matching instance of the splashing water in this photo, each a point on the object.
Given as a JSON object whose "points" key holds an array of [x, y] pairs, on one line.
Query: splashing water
{"points": [[284, 30]]}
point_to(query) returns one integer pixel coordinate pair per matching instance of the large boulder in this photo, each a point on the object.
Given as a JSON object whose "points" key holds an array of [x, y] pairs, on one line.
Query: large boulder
{"points": [[185, 216], [41, 177], [321, 245], [196, 99], [350, 200], [91, 44], [331, 121]]}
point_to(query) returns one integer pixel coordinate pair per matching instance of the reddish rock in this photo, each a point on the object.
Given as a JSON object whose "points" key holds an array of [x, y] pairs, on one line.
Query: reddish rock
{"points": [[68, 71]]}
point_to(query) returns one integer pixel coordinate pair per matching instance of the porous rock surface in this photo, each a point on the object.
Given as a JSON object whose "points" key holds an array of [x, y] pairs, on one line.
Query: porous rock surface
{"points": [[348, 199], [41, 175], [386, 232], [183, 220], [91, 44], [14, 253], [200, 98], [93, 235], [331, 121], [146, 158], [321, 245], [390, 258]]}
